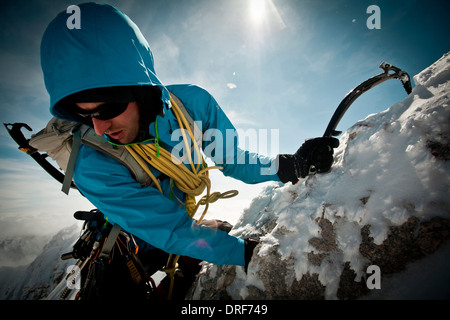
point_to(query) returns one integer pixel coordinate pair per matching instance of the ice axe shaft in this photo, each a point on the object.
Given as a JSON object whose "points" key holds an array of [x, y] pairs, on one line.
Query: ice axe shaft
{"points": [[390, 72]]}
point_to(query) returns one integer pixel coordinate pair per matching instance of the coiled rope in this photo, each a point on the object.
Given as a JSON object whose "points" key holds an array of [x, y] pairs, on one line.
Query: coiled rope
{"points": [[192, 182]]}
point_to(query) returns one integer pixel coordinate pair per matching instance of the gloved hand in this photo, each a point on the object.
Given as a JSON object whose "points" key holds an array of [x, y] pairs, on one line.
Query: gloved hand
{"points": [[249, 245], [218, 224], [315, 154]]}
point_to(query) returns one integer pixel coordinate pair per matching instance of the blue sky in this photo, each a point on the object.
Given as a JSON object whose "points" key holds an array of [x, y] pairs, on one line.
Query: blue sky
{"points": [[286, 67]]}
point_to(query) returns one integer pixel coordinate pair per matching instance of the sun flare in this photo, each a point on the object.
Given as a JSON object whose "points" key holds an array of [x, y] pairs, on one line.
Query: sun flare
{"points": [[257, 11]]}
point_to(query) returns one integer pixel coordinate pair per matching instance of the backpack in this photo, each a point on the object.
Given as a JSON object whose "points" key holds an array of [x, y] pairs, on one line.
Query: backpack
{"points": [[61, 139]]}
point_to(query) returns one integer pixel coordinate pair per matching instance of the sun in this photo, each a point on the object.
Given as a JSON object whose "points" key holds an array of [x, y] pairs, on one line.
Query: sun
{"points": [[258, 11]]}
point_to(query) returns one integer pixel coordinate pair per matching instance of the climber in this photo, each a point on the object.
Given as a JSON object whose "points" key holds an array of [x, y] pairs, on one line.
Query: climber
{"points": [[102, 74]]}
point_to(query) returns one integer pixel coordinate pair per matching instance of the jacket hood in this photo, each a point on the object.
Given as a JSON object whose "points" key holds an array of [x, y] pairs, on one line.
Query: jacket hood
{"points": [[108, 50]]}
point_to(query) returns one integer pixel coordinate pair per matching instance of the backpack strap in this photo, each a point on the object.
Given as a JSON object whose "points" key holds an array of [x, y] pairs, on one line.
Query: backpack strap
{"points": [[86, 135], [110, 241], [120, 153], [67, 182]]}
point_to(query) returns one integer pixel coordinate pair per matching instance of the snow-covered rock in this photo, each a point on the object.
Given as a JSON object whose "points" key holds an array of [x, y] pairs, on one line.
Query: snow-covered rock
{"points": [[385, 204]]}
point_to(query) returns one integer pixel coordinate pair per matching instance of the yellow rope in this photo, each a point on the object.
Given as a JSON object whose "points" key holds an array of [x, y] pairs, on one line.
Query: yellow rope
{"points": [[192, 182]]}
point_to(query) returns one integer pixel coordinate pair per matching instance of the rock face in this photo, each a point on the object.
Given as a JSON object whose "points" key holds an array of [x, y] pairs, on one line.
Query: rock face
{"points": [[385, 204]]}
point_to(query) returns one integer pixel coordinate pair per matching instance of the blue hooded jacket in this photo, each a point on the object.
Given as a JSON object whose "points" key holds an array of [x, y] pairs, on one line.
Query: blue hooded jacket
{"points": [[108, 51]]}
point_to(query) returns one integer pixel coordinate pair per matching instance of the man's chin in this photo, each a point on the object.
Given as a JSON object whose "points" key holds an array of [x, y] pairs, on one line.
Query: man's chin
{"points": [[117, 136], [122, 141]]}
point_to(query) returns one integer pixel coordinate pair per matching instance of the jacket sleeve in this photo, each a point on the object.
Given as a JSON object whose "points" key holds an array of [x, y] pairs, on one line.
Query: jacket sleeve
{"points": [[149, 215], [221, 140]]}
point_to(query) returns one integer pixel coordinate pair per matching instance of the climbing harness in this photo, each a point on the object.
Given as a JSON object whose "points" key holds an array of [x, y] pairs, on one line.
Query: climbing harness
{"points": [[101, 248]]}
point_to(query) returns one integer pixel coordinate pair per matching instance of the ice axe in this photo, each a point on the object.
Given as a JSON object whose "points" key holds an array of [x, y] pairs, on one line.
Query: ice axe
{"points": [[15, 131], [390, 72]]}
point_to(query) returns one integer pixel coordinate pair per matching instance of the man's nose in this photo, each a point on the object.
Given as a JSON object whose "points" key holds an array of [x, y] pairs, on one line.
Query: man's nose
{"points": [[101, 126]]}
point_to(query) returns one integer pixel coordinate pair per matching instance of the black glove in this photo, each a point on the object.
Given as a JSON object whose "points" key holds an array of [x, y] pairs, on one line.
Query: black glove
{"points": [[316, 153], [250, 244]]}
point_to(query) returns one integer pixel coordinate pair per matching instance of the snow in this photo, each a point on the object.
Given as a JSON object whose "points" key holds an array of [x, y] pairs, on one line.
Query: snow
{"points": [[38, 279], [384, 173], [387, 169]]}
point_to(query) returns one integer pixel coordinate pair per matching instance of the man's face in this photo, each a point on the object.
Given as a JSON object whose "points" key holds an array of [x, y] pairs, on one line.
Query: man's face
{"points": [[124, 128]]}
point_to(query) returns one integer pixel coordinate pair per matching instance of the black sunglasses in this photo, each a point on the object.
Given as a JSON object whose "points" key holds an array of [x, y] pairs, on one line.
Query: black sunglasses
{"points": [[105, 111]]}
